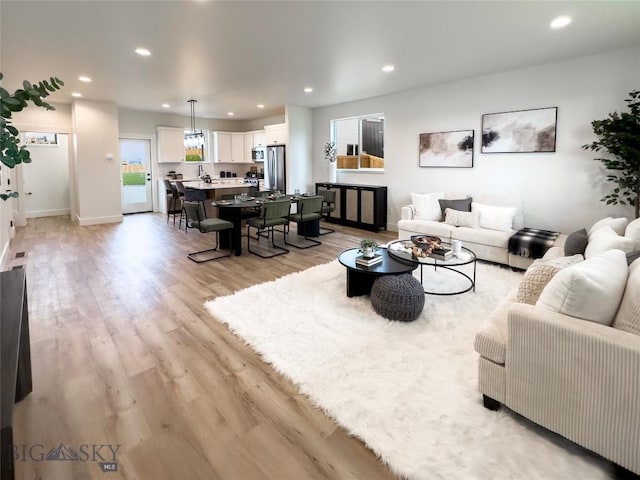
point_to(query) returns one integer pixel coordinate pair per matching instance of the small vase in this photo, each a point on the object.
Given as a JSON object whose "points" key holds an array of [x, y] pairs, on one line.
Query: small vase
{"points": [[367, 252]]}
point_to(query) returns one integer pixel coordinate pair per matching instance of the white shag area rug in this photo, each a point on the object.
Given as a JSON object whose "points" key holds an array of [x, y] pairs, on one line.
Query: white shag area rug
{"points": [[407, 390]]}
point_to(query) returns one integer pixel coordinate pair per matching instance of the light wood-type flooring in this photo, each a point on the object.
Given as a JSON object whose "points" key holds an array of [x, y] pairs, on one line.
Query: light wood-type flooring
{"points": [[124, 353]]}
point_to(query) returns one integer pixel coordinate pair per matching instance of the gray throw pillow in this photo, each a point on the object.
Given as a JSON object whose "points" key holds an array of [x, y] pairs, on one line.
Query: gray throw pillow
{"points": [[461, 204], [576, 243], [632, 257]]}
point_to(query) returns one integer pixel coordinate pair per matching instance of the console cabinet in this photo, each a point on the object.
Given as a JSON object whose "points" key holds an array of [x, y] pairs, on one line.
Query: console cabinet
{"points": [[360, 206], [15, 355]]}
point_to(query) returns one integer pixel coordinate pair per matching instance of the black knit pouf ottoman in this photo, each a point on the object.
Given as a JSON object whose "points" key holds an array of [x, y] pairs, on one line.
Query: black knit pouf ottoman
{"points": [[397, 297]]}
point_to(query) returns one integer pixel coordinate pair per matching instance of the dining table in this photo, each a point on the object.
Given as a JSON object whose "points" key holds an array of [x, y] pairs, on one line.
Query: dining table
{"points": [[235, 211]]}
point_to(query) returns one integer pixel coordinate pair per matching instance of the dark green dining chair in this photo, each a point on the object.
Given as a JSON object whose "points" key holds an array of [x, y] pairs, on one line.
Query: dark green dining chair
{"points": [[309, 210], [272, 214], [328, 206], [197, 219]]}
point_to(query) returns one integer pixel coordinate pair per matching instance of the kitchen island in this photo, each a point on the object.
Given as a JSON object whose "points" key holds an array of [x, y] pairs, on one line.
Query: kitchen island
{"points": [[215, 190]]}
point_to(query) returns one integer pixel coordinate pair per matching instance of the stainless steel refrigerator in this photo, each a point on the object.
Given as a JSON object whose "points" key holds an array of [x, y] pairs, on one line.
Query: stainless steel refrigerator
{"points": [[274, 168]]}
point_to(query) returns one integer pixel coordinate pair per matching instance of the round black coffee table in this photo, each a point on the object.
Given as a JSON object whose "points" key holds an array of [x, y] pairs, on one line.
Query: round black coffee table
{"points": [[360, 279]]}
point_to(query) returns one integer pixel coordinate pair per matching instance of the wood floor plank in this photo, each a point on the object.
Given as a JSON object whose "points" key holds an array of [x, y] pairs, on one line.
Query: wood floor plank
{"points": [[125, 353]]}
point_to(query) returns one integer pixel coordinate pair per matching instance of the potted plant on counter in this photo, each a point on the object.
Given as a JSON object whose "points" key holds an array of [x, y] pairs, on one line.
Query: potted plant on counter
{"points": [[368, 247]]}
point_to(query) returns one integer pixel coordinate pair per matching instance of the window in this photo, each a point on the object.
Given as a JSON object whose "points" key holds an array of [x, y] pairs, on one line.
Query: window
{"points": [[359, 142], [194, 146]]}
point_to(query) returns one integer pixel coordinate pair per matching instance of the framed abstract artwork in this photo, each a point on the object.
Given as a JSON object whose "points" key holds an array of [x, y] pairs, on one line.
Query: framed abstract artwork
{"points": [[521, 131], [40, 138], [446, 149]]}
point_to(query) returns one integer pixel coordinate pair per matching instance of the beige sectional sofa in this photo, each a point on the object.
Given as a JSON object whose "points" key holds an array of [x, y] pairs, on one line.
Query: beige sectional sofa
{"points": [[569, 359], [424, 217]]}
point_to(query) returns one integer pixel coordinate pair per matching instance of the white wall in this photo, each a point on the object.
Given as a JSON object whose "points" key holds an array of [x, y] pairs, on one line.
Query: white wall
{"points": [[95, 126], [299, 149], [560, 190]]}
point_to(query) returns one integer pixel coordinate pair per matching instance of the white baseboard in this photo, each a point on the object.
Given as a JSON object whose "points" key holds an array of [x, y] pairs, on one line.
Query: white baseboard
{"points": [[83, 222], [47, 213]]}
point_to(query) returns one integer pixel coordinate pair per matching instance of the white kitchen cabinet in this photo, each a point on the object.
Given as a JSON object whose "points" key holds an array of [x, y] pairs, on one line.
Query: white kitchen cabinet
{"points": [[259, 138], [248, 146], [170, 144], [228, 147], [276, 134]]}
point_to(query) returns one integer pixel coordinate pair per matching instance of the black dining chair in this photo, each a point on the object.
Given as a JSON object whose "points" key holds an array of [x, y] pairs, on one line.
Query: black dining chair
{"points": [[308, 211], [197, 219], [272, 214], [173, 200], [328, 206]]}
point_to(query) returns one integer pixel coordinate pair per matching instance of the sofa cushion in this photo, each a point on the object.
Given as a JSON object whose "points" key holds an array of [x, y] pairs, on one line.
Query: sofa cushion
{"points": [[493, 238], [590, 290], [539, 274], [491, 340], [628, 316], [459, 218], [576, 243], [605, 239], [495, 218], [632, 231], [462, 204], [427, 206], [427, 227], [617, 224]]}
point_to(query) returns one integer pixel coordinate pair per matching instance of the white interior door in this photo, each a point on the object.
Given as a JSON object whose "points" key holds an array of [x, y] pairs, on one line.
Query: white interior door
{"points": [[136, 175], [45, 181]]}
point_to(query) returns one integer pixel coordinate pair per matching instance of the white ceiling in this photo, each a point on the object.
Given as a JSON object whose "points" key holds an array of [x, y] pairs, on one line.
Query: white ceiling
{"points": [[233, 55]]}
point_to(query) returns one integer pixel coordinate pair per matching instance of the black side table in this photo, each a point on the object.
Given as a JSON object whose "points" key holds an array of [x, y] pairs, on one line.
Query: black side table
{"points": [[360, 279]]}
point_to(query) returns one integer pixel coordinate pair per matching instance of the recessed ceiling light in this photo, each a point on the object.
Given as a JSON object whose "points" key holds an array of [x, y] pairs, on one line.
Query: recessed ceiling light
{"points": [[388, 68], [84, 79], [76, 94], [143, 52], [231, 114], [260, 105], [308, 90], [166, 105], [560, 22]]}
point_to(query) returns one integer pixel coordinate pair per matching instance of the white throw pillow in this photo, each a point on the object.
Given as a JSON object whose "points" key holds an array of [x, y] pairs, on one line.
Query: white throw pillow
{"points": [[461, 219], [605, 239], [590, 290], [633, 232], [495, 218], [618, 225], [427, 206]]}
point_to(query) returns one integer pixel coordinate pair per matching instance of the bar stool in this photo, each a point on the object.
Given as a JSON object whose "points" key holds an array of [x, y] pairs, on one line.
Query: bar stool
{"points": [[172, 204]]}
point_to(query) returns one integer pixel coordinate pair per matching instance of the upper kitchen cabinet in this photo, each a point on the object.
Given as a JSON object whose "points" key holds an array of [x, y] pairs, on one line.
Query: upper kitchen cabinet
{"points": [[276, 134], [170, 145], [229, 147], [259, 139]]}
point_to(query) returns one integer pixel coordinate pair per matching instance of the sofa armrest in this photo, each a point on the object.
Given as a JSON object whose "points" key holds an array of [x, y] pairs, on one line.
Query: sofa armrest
{"points": [[578, 378], [408, 212]]}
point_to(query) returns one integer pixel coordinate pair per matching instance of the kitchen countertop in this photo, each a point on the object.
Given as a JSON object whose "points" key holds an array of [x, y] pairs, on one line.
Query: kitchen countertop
{"points": [[215, 185]]}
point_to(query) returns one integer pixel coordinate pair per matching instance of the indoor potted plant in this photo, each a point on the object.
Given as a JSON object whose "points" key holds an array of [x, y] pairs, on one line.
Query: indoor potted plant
{"points": [[330, 155], [619, 136], [368, 247]]}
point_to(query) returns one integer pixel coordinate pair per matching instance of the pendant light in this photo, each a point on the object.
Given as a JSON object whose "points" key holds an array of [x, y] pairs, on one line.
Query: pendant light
{"points": [[194, 139]]}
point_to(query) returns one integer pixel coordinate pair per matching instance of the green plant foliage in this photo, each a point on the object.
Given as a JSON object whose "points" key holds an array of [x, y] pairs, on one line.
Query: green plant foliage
{"points": [[11, 153], [619, 136], [134, 178]]}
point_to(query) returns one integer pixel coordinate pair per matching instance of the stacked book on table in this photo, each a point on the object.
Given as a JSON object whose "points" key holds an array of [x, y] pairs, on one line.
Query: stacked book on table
{"points": [[443, 254], [367, 262]]}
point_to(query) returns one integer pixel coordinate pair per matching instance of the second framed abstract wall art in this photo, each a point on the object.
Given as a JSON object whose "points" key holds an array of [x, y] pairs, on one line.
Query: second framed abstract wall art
{"points": [[446, 149], [522, 131]]}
